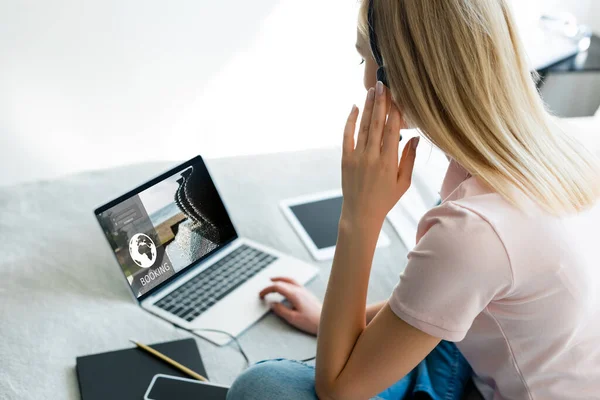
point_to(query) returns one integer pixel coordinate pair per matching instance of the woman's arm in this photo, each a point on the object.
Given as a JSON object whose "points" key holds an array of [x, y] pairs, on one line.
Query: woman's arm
{"points": [[344, 307], [372, 183], [390, 347], [373, 309]]}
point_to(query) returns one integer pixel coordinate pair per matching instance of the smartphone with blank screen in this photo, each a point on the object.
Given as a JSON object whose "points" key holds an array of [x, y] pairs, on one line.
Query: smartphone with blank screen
{"points": [[315, 218], [167, 387]]}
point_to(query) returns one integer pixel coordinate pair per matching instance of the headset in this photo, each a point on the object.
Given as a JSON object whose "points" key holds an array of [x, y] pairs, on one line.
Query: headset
{"points": [[381, 75]]}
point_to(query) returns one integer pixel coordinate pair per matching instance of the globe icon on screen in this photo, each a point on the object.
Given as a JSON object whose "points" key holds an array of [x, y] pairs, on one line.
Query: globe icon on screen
{"points": [[142, 250]]}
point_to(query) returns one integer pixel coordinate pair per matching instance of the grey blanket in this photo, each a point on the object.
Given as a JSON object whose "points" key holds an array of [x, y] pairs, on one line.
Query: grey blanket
{"points": [[63, 295]]}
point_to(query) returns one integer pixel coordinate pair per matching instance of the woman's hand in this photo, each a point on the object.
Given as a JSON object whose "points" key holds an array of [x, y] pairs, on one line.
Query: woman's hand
{"points": [[372, 180], [306, 308]]}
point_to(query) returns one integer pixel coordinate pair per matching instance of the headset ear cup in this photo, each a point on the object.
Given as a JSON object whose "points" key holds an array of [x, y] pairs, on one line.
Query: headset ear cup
{"points": [[382, 76]]}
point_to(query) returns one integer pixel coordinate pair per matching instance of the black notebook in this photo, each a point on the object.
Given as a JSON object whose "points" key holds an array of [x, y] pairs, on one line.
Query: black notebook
{"points": [[126, 374]]}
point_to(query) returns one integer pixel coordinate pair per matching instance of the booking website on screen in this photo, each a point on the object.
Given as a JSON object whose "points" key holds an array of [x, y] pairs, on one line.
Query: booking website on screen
{"points": [[167, 227]]}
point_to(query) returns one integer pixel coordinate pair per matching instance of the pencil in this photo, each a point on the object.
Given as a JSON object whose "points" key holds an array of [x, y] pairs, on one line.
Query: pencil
{"points": [[168, 360]]}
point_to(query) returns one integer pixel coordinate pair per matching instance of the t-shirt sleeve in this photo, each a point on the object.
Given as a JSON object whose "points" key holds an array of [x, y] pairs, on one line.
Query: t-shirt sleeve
{"points": [[458, 267]]}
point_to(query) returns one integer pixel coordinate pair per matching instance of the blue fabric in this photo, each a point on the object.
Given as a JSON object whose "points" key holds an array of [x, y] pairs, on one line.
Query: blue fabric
{"points": [[442, 375]]}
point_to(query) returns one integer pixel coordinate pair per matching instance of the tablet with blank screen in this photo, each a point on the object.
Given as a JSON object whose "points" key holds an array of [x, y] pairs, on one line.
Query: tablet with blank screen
{"points": [[315, 219]]}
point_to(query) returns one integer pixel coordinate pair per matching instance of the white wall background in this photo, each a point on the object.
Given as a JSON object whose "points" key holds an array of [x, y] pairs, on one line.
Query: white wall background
{"points": [[87, 84]]}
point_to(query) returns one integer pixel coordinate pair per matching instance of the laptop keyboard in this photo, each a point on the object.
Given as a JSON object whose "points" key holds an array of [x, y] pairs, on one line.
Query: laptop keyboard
{"points": [[202, 291]]}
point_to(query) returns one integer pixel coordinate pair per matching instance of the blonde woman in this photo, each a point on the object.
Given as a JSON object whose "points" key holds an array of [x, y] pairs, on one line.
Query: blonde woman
{"points": [[505, 276]]}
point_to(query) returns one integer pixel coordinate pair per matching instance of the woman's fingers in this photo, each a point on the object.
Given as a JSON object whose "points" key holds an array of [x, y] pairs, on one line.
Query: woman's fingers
{"points": [[348, 143], [283, 288], [377, 120], [365, 121], [284, 312], [407, 164], [388, 99], [285, 279], [391, 135]]}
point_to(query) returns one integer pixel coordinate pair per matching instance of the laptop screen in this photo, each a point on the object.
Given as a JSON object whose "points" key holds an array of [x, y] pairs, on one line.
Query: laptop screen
{"points": [[163, 227]]}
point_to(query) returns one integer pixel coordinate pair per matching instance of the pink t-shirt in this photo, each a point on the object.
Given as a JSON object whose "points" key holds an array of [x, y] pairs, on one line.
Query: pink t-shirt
{"points": [[517, 288]]}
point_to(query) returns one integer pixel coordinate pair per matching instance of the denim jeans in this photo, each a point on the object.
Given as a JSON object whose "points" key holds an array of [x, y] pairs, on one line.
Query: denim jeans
{"points": [[442, 375]]}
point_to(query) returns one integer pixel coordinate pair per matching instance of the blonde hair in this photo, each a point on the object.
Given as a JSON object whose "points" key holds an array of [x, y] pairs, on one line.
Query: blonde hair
{"points": [[458, 71]]}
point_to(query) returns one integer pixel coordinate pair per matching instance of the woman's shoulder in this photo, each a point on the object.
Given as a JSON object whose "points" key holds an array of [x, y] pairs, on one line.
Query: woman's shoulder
{"points": [[469, 209], [476, 202], [474, 220], [472, 223], [460, 221]]}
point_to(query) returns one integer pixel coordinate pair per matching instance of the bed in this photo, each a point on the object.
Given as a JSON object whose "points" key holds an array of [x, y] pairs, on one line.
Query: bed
{"points": [[62, 294]]}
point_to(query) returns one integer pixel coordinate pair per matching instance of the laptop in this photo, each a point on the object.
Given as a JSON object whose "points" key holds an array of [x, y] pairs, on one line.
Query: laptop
{"points": [[183, 259]]}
